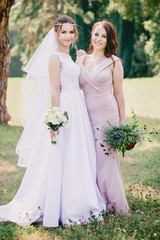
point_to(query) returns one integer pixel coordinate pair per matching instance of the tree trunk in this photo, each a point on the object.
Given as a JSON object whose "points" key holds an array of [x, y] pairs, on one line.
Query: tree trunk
{"points": [[55, 9], [5, 6], [126, 45], [62, 7]]}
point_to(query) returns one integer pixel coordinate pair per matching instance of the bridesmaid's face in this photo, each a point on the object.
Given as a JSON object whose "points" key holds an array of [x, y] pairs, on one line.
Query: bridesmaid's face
{"points": [[66, 35], [99, 38]]}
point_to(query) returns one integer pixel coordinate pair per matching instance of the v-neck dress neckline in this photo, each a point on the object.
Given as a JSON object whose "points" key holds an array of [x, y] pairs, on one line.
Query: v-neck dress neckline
{"points": [[93, 69], [104, 64]]}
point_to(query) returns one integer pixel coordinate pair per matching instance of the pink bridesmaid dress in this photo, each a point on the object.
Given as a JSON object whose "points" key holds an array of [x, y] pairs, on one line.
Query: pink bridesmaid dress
{"points": [[102, 107]]}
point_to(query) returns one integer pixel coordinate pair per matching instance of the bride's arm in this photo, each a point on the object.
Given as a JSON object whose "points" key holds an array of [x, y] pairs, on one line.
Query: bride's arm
{"points": [[54, 74]]}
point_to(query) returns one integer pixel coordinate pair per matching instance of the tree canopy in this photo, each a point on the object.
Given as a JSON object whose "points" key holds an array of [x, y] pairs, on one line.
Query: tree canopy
{"points": [[137, 23]]}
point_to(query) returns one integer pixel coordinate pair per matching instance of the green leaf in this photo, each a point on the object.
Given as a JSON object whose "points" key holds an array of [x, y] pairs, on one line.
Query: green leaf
{"points": [[66, 114]]}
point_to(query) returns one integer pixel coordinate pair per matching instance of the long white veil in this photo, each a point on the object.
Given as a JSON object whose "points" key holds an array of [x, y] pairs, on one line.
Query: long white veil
{"points": [[36, 90]]}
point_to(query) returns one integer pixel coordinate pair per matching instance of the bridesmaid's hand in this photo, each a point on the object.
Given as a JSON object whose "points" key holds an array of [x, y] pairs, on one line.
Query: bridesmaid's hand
{"points": [[81, 52], [123, 122]]}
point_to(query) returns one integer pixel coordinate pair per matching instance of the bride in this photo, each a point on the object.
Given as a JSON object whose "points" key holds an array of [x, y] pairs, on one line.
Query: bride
{"points": [[60, 180]]}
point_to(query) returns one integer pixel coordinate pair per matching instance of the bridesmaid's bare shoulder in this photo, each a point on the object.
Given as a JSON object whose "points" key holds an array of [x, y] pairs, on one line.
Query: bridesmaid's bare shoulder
{"points": [[115, 58], [117, 62]]}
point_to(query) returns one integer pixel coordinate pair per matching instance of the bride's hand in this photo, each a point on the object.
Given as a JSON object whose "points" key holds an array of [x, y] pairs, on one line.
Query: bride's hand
{"points": [[53, 134], [81, 52]]}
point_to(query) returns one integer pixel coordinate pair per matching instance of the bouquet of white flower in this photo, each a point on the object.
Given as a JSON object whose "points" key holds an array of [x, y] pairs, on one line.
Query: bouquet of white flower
{"points": [[55, 118]]}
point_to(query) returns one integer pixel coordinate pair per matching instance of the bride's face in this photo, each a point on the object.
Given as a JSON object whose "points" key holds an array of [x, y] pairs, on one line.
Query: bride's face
{"points": [[66, 35]]}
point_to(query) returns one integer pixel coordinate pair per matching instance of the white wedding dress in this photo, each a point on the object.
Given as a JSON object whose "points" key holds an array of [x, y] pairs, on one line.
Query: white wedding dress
{"points": [[60, 180]]}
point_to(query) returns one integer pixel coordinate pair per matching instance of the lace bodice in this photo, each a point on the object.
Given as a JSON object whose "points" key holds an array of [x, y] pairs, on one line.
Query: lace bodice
{"points": [[70, 71]]}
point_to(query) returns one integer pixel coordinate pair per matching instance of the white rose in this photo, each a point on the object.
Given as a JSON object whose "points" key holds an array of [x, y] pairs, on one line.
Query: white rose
{"points": [[59, 115], [55, 121], [55, 109], [51, 118], [64, 119]]}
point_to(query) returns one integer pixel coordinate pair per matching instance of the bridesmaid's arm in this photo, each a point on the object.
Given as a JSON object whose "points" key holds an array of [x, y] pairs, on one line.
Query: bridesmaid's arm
{"points": [[118, 88], [54, 74], [81, 52]]}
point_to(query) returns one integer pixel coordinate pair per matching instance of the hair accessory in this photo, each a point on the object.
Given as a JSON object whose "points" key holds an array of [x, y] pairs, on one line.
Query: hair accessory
{"points": [[60, 24]]}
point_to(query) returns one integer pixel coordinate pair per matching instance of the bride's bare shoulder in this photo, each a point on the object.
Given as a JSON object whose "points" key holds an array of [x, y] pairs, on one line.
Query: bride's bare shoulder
{"points": [[54, 59]]}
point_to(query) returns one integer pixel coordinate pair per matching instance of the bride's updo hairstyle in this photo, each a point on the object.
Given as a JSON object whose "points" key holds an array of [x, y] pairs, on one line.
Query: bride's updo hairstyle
{"points": [[64, 19], [112, 42]]}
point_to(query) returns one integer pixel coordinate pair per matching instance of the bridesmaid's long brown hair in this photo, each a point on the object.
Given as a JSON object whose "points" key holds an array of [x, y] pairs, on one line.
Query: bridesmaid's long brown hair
{"points": [[112, 42]]}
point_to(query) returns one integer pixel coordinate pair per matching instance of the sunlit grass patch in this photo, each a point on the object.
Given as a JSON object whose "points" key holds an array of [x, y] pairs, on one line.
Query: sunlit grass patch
{"points": [[142, 94]]}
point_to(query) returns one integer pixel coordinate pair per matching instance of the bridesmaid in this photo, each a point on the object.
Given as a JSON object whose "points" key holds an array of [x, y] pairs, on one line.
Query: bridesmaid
{"points": [[101, 80]]}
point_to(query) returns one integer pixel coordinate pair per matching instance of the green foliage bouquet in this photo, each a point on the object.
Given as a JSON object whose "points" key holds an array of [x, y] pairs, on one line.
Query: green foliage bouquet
{"points": [[124, 136]]}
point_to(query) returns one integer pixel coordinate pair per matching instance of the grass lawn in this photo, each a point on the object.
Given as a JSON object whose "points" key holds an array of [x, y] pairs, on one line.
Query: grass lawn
{"points": [[140, 169]]}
